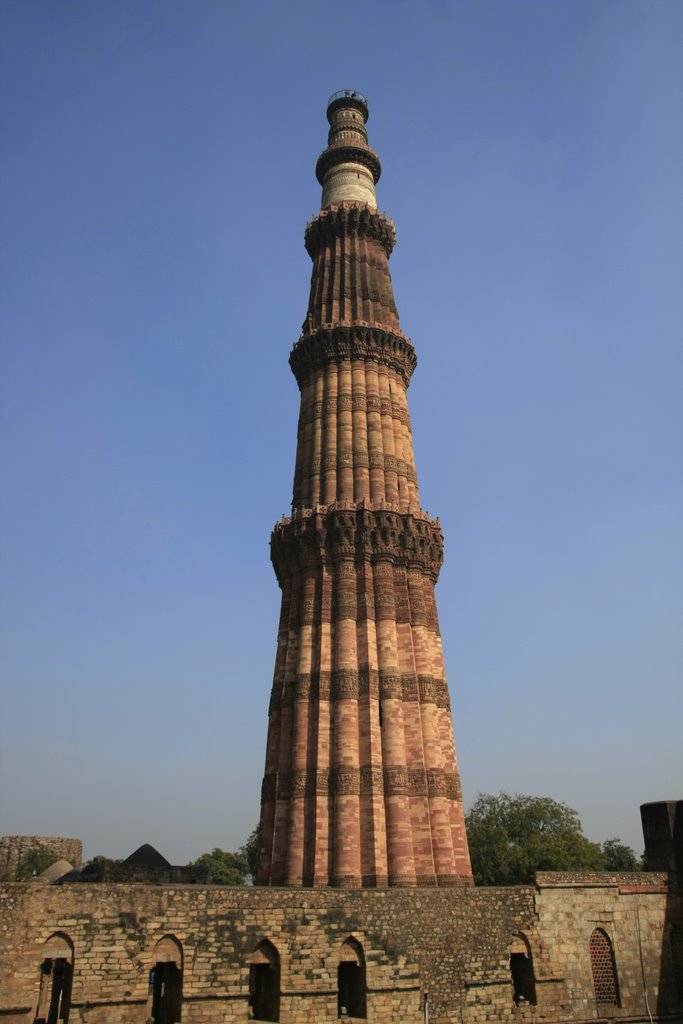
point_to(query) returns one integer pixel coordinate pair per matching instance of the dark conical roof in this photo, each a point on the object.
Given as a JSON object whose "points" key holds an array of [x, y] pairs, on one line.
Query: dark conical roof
{"points": [[148, 857]]}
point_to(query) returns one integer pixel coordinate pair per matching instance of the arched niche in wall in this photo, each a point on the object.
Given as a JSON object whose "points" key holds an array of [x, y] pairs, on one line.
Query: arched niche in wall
{"points": [[522, 971], [604, 969], [351, 981], [264, 982], [56, 976], [166, 982]]}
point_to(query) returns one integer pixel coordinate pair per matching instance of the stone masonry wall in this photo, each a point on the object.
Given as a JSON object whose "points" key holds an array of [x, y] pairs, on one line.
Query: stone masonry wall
{"points": [[452, 944], [13, 849], [636, 912]]}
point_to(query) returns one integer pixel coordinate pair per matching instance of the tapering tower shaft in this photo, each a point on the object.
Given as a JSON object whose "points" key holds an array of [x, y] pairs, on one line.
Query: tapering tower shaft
{"points": [[361, 786]]}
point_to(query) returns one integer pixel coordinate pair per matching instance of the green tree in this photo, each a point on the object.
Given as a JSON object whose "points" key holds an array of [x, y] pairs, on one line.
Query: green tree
{"points": [[619, 857], [223, 868], [250, 850], [511, 837], [34, 863]]}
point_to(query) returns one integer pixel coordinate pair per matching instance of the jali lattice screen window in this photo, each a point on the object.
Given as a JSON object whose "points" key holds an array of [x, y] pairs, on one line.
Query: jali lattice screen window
{"points": [[604, 969]]}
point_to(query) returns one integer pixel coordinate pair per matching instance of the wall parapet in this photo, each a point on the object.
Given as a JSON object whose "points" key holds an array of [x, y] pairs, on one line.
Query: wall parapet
{"points": [[570, 879]]}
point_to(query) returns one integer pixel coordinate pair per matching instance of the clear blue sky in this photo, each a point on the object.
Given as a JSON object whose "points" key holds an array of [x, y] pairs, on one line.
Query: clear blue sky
{"points": [[157, 175]]}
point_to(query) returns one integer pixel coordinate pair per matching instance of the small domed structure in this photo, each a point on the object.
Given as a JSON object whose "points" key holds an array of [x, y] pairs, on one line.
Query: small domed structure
{"points": [[54, 871]]}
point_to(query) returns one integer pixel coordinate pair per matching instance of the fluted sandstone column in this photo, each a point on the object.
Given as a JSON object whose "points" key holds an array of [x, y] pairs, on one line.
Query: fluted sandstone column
{"points": [[361, 786]]}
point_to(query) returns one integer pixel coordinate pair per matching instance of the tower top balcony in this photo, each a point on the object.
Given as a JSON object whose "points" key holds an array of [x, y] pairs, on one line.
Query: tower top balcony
{"points": [[347, 98]]}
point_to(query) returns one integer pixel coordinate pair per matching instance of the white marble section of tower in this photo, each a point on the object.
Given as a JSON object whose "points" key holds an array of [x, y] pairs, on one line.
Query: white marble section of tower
{"points": [[348, 169]]}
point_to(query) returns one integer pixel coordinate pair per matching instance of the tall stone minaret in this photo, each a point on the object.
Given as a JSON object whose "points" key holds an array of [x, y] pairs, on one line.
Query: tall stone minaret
{"points": [[361, 785]]}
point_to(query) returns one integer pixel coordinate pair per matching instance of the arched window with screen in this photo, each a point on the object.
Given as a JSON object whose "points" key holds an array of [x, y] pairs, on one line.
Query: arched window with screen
{"points": [[604, 969]]}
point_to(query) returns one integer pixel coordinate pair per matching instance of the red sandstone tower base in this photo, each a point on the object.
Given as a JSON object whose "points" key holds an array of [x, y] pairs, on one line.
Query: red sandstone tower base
{"points": [[361, 786]]}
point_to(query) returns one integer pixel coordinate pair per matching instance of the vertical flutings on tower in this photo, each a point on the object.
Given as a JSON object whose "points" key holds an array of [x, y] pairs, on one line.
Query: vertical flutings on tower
{"points": [[361, 784]]}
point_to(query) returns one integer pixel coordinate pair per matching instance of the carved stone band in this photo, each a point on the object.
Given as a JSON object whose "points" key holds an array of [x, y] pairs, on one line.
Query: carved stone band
{"points": [[334, 344], [371, 781], [356, 535], [361, 460], [346, 780], [358, 403], [353, 684], [346, 219], [404, 782], [345, 605], [418, 782], [345, 684]]}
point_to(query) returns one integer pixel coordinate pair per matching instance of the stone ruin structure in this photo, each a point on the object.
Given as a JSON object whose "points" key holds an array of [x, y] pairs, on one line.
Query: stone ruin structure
{"points": [[14, 849], [364, 908]]}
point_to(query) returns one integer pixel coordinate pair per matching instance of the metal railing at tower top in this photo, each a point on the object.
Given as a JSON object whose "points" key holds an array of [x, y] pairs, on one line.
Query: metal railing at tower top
{"points": [[348, 94]]}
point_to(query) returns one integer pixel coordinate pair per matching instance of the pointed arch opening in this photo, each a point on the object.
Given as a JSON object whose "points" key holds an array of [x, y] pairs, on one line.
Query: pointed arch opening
{"points": [[166, 981], [56, 977], [264, 982], [351, 981], [604, 969], [522, 971]]}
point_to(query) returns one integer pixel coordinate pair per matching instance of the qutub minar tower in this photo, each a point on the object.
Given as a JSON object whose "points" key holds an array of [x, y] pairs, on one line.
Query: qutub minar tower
{"points": [[361, 785]]}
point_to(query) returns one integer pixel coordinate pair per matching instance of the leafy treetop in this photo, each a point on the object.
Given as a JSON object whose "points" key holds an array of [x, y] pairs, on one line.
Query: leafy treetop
{"points": [[37, 860], [512, 837], [619, 857], [223, 868]]}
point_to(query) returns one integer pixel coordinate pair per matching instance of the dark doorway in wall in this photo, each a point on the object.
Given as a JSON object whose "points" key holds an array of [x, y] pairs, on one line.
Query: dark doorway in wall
{"points": [[165, 998], [56, 975], [55, 991], [522, 971], [264, 983], [167, 993], [351, 983], [523, 981]]}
